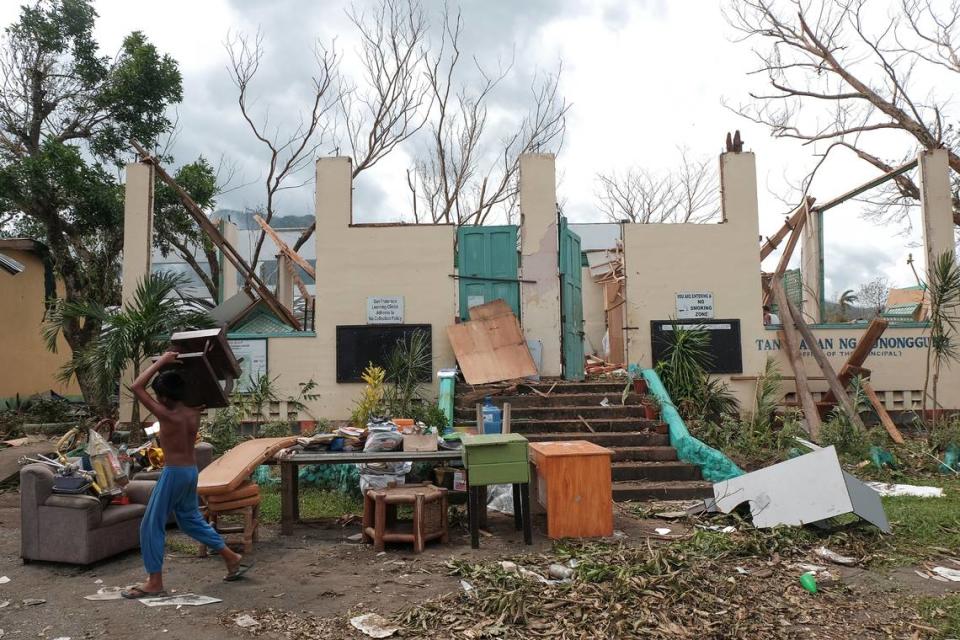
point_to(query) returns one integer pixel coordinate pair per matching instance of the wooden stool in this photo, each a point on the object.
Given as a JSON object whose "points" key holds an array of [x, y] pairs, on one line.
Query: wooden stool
{"points": [[244, 534], [380, 524]]}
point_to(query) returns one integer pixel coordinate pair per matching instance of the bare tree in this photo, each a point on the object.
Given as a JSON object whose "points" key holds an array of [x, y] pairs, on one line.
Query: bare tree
{"points": [[292, 152], [846, 74], [874, 294], [462, 176], [689, 193], [392, 101]]}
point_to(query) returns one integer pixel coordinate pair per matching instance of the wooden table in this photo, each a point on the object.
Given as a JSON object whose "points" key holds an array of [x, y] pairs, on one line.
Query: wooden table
{"points": [[290, 473]]}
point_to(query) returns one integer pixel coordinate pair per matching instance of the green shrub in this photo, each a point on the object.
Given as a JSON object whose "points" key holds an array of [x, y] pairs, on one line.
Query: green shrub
{"points": [[276, 429], [223, 431]]}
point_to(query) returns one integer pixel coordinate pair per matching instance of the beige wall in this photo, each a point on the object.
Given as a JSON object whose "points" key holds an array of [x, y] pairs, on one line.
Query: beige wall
{"points": [[897, 364], [663, 260], [28, 367], [540, 244], [137, 250], [361, 261], [594, 317]]}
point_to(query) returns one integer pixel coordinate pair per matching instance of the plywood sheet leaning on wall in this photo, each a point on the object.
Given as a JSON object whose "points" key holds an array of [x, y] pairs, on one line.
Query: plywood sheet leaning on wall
{"points": [[230, 470], [491, 347]]}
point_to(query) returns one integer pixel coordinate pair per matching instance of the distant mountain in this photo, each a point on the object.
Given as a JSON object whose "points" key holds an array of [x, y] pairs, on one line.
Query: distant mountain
{"points": [[831, 312], [244, 220]]}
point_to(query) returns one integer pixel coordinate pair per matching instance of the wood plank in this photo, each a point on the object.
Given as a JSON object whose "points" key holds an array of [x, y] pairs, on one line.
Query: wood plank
{"points": [[491, 346], [773, 241], [795, 235], [284, 249], [824, 364], [854, 364], [885, 419], [229, 251], [227, 472], [612, 292], [792, 342]]}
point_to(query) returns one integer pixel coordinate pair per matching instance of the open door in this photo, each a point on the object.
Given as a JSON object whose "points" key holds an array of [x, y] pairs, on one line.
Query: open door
{"points": [[571, 302], [487, 263]]}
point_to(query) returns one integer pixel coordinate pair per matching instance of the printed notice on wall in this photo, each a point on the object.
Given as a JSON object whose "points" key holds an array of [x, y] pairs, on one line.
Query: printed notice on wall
{"points": [[385, 310], [695, 305], [252, 355]]}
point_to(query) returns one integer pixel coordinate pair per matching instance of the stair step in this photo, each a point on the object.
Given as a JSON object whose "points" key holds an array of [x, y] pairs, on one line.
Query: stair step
{"points": [[682, 490], [655, 471], [626, 454], [561, 411], [576, 426], [553, 400], [612, 440], [557, 386]]}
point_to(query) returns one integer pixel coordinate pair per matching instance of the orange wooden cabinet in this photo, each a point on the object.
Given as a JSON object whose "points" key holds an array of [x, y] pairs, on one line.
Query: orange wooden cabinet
{"points": [[574, 486]]}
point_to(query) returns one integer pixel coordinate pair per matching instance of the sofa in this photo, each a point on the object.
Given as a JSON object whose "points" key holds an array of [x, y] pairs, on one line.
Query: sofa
{"points": [[76, 529]]}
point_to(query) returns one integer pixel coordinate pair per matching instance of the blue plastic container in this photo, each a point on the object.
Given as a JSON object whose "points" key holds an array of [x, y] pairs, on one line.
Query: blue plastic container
{"points": [[492, 417]]}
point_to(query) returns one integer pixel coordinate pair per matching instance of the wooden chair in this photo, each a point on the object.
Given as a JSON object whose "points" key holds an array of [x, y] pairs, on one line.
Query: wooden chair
{"points": [[380, 523]]}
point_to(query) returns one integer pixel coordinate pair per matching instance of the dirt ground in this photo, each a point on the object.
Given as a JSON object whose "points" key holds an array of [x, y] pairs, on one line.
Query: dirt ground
{"points": [[317, 571]]}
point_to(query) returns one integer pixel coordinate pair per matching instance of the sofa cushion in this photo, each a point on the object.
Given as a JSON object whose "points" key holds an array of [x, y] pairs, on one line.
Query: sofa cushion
{"points": [[120, 512]]}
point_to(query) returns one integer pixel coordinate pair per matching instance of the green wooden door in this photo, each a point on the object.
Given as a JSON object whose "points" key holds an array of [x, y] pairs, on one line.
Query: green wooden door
{"points": [[571, 302], [487, 264]]}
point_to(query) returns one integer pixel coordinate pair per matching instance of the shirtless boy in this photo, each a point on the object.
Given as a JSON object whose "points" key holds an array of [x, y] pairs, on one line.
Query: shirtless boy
{"points": [[176, 490]]}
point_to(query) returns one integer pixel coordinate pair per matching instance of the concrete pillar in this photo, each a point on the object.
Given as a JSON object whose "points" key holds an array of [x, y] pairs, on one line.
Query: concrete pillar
{"points": [[137, 247], [738, 192], [936, 204], [539, 242], [284, 281], [811, 266], [228, 272], [334, 195]]}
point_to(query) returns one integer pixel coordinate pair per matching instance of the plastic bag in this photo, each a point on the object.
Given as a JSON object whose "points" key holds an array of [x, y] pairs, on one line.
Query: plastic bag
{"points": [[378, 481], [500, 498], [105, 462], [383, 441]]}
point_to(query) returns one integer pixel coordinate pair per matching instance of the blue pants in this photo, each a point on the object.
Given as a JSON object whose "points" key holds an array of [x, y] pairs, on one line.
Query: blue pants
{"points": [[176, 491]]}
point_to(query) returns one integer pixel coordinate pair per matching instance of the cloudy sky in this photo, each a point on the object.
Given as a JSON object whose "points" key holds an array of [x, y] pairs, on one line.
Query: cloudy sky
{"points": [[644, 78]]}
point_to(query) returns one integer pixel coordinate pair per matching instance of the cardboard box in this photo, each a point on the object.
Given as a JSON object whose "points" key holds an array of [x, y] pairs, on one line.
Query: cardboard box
{"points": [[459, 480], [427, 442]]}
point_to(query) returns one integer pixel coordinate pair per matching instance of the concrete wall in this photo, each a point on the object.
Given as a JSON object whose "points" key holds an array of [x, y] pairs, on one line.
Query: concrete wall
{"points": [[594, 317], [540, 244], [355, 262], [663, 260], [28, 367]]}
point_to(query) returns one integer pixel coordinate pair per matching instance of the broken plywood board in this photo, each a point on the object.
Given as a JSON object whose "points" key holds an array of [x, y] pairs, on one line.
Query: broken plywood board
{"points": [[807, 489], [9, 457], [491, 347], [227, 472]]}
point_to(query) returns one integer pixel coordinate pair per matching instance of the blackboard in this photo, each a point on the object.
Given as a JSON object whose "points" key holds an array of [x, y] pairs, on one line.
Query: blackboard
{"points": [[725, 345], [360, 345]]}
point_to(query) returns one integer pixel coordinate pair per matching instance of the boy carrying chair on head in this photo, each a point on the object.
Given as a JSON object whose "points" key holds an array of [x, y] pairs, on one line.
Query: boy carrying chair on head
{"points": [[176, 491]]}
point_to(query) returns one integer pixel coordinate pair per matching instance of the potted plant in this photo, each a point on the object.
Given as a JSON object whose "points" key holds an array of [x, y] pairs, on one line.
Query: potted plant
{"points": [[651, 407], [640, 386]]}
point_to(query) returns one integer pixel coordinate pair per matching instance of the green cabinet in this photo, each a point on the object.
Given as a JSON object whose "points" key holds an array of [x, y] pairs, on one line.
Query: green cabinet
{"points": [[496, 459]]}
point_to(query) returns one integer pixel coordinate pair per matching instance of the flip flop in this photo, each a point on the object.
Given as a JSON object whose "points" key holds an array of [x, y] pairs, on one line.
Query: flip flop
{"points": [[237, 573], [136, 593]]}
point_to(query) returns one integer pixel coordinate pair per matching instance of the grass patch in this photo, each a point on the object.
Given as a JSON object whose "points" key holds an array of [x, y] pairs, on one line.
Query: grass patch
{"points": [[183, 547], [923, 527], [942, 613], [314, 503]]}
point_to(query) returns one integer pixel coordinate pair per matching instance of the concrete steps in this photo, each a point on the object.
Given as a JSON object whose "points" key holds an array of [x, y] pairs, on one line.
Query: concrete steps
{"points": [[644, 465], [589, 412], [660, 490]]}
